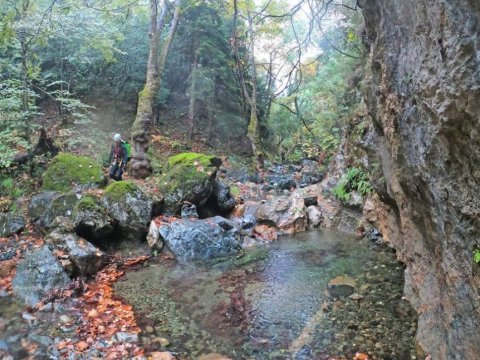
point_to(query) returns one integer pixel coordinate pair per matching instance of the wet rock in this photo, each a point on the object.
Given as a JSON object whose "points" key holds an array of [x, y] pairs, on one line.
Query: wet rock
{"points": [[126, 337], [45, 207], [37, 274], [199, 239], [281, 182], [221, 198], [341, 286], [355, 200], [11, 223], [153, 237], [286, 213], [129, 207], [213, 356], [91, 218], [86, 258], [310, 200], [314, 215], [161, 355], [189, 211]]}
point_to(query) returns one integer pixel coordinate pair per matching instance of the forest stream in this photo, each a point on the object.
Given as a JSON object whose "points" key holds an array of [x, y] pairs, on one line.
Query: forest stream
{"points": [[273, 302]]}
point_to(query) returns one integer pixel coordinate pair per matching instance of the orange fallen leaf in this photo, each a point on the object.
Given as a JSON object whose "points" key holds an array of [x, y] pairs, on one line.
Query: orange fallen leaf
{"points": [[360, 356], [82, 346]]}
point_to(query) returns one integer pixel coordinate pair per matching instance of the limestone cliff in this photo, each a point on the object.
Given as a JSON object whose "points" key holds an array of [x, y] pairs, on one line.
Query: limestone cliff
{"points": [[422, 92]]}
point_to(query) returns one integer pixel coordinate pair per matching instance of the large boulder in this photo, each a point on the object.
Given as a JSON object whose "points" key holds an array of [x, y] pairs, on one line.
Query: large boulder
{"points": [[37, 274], [129, 207], [11, 223], [191, 240], [46, 206], [91, 218], [86, 258], [286, 213], [190, 177], [68, 171]]}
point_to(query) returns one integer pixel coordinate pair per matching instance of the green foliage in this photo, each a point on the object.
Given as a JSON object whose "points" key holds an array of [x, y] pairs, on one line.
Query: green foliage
{"points": [[67, 170], [353, 179], [476, 256]]}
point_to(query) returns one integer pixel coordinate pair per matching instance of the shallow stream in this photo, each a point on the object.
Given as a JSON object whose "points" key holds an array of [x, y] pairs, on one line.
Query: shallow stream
{"points": [[272, 302]]}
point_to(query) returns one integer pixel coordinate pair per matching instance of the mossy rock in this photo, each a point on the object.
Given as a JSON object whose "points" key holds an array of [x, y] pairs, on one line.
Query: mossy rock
{"points": [[91, 218], [186, 183], [129, 207], [67, 171], [194, 159]]}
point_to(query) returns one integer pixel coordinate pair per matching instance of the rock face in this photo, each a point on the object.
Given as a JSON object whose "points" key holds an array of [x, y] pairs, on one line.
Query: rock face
{"points": [[221, 197], [37, 274], [201, 239], [422, 93], [129, 207]]}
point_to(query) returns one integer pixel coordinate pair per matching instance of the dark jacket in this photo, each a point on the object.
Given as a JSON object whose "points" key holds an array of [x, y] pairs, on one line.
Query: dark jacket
{"points": [[118, 156]]}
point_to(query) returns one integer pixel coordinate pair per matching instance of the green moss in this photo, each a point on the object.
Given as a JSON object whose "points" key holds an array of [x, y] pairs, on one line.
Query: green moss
{"points": [[193, 159], [234, 191], [117, 190], [67, 170], [88, 203]]}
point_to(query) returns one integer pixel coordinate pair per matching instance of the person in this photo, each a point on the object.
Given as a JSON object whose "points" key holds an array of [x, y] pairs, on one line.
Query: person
{"points": [[118, 158]]}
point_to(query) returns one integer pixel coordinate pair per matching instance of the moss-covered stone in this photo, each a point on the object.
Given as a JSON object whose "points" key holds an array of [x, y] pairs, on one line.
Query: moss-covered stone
{"points": [[67, 171], [129, 207], [194, 159], [186, 183], [91, 218], [119, 189]]}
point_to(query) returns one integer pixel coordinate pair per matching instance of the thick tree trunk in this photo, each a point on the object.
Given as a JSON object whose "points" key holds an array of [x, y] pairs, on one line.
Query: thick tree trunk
{"points": [[191, 107], [253, 127], [140, 167]]}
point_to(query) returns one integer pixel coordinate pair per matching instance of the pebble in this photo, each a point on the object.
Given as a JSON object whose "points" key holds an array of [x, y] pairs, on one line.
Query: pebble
{"points": [[356, 296], [149, 329], [162, 341], [65, 319], [126, 337]]}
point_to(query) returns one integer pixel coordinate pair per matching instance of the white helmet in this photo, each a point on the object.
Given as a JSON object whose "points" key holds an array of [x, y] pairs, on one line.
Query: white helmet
{"points": [[117, 137]]}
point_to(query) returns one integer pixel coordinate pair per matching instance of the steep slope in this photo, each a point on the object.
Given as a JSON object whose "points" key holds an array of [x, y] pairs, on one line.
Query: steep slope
{"points": [[423, 96]]}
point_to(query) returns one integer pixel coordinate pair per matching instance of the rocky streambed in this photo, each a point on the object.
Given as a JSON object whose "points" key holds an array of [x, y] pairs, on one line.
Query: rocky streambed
{"points": [[314, 295]]}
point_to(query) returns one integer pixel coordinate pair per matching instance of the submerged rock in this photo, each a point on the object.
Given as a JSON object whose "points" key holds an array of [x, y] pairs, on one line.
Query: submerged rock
{"points": [[129, 207], [37, 274], [200, 239], [341, 286]]}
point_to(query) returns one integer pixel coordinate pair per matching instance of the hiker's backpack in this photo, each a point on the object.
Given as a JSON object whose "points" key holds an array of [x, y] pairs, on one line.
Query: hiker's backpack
{"points": [[128, 148]]}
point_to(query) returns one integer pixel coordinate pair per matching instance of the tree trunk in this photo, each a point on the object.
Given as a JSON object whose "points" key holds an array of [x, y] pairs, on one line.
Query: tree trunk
{"points": [[140, 167], [191, 107], [253, 127]]}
